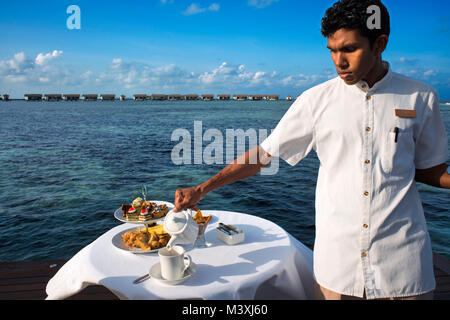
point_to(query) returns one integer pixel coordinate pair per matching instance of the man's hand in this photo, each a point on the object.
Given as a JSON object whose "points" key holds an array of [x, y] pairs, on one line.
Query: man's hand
{"points": [[187, 198]]}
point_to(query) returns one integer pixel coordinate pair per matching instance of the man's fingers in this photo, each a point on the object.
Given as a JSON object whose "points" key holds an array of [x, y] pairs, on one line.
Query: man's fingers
{"points": [[184, 200]]}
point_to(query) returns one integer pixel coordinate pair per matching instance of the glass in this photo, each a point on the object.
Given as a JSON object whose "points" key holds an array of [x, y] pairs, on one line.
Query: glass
{"points": [[200, 242]]}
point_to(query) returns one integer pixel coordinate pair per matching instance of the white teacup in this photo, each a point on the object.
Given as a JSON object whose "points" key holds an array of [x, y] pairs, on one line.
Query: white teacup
{"points": [[173, 264]]}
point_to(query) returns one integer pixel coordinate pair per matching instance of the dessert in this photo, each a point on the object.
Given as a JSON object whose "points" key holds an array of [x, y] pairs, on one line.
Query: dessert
{"points": [[125, 208], [132, 214], [160, 211], [144, 215], [138, 203], [143, 210]]}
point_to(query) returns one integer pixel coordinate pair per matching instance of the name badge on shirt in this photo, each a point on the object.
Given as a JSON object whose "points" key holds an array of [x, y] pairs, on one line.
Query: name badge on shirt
{"points": [[402, 113]]}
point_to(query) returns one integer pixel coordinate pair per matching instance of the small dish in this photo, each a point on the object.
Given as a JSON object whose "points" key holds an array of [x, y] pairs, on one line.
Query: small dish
{"points": [[230, 237], [155, 273]]}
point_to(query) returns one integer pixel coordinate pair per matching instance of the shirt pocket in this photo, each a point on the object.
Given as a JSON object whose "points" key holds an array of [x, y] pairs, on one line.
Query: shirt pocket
{"points": [[398, 152]]}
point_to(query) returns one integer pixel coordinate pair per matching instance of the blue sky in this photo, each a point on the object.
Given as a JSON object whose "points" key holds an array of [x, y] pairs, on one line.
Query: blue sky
{"points": [[214, 46]]}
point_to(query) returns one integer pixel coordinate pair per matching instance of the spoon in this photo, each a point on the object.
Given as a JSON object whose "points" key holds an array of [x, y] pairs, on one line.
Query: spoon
{"points": [[142, 279]]}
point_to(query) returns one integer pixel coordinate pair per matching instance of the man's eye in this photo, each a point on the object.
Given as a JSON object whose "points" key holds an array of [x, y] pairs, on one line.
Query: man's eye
{"points": [[349, 49]]}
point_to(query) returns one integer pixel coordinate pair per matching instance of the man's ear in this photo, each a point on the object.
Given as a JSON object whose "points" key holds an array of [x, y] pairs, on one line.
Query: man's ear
{"points": [[380, 44]]}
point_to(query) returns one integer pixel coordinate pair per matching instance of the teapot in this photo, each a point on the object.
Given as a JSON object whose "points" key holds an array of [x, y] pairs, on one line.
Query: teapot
{"points": [[181, 226]]}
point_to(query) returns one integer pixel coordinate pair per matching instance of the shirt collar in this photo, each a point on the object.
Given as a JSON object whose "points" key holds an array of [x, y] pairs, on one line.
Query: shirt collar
{"points": [[363, 86]]}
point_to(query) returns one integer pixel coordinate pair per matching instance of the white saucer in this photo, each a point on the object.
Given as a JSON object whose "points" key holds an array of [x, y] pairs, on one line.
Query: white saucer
{"points": [[155, 273]]}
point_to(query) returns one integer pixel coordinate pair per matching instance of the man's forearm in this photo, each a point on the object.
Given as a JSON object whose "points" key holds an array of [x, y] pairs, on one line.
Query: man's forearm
{"points": [[436, 176], [244, 167]]}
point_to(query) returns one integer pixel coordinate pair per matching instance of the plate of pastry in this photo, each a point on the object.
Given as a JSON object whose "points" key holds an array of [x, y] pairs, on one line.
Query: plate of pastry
{"points": [[142, 211]]}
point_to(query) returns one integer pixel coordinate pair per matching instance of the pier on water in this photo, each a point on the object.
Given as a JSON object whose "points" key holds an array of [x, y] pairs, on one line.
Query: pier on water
{"points": [[145, 97]]}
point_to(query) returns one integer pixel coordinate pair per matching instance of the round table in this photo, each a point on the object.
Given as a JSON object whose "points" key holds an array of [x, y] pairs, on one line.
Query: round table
{"points": [[269, 264]]}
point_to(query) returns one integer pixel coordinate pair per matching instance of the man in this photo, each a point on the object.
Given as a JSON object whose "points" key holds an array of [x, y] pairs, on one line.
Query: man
{"points": [[375, 133]]}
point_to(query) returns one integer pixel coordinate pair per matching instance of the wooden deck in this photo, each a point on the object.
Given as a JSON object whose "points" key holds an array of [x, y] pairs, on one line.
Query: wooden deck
{"points": [[27, 281]]}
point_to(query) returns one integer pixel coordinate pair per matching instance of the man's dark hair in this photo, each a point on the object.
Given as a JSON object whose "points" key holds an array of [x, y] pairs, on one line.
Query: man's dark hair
{"points": [[352, 14]]}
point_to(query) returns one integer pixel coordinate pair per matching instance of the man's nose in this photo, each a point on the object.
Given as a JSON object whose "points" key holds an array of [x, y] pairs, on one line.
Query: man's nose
{"points": [[341, 61]]}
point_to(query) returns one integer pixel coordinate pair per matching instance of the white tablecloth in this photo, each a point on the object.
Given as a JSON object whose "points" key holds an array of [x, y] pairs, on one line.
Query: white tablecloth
{"points": [[269, 264]]}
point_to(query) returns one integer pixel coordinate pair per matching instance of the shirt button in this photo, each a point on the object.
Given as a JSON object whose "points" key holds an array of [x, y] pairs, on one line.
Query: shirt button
{"points": [[365, 226], [363, 86], [368, 129], [368, 97], [367, 161], [363, 254], [366, 193]]}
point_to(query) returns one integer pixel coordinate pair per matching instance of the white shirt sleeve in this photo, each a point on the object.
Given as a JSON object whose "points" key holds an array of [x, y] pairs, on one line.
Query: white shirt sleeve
{"points": [[293, 138], [432, 143]]}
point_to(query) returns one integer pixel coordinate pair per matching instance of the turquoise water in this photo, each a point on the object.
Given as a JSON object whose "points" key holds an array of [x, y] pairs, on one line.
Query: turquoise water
{"points": [[66, 166]]}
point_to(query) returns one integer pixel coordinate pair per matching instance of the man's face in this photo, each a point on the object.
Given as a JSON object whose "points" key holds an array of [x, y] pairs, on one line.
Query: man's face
{"points": [[351, 55]]}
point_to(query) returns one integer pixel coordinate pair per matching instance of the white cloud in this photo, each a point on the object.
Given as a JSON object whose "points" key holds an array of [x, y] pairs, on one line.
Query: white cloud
{"points": [[195, 8], [122, 76], [18, 65], [214, 7], [408, 61], [431, 73], [224, 72], [138, 77], [260, 4], [38, 71], [43, 59]]}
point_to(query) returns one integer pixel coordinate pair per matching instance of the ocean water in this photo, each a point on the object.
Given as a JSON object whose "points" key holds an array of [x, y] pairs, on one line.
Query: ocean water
{"points": [[66, 166]]}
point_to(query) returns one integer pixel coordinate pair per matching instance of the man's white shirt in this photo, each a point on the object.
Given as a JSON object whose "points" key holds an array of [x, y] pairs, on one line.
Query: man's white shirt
{"points": [[371, 233]]}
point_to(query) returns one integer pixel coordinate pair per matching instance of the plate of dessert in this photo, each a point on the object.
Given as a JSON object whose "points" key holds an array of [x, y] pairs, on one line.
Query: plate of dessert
{"points": [[141, 211], [141, 240]]}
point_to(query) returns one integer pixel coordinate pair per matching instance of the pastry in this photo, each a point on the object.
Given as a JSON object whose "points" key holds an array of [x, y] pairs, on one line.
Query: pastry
{"points": [[132, 215], [144, 215], [125, 208], [141, 239], [138, 203], [160, 211]]}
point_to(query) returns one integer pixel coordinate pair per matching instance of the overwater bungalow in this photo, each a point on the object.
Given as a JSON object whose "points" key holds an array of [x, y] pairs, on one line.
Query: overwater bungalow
{"points": [[33, 97], [6, 97], [207, 97], [108, 97], [288, 98], [90, 97], [123, 97], [240, 97], [191, 97], [159, 97], [271, 97], [52, 97], [223, 97], [71, 97], [172, 97], [140, 97], [256, 97]]}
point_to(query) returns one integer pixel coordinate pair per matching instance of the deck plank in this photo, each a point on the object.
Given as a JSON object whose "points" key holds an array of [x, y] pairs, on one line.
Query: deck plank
{"points": [[28, 280]]}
